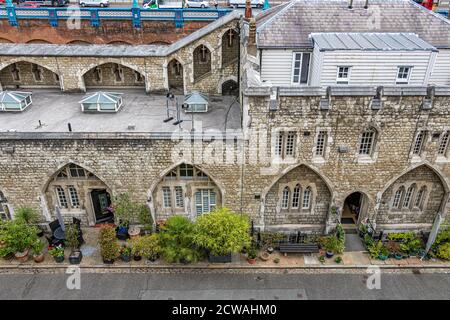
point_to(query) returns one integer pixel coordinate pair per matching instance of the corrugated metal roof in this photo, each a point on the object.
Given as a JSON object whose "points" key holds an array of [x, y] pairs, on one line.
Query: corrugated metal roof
{"points": [[370, 41]]}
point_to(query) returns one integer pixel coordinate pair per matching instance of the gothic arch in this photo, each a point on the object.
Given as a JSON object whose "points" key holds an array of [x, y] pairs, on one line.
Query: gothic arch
{"points": [[128, 75], [202, 57], [224, 81]]}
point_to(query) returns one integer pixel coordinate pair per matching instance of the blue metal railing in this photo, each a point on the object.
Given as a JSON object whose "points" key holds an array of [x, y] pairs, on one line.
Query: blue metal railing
{"points": [[95, 15]]}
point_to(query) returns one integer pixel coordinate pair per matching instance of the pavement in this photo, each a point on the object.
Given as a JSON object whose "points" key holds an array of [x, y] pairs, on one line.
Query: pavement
{"points": [[225, 286], [92, 262], [55, 110]]}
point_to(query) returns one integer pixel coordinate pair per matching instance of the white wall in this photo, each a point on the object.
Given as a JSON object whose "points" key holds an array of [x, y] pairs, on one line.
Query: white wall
{"points": [[276, 66], [374, 68], [441, 71]]}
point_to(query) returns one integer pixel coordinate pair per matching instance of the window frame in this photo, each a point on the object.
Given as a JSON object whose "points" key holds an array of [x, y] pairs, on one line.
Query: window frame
{"points": [[418, 149], [409, 195], [285, 197], [396, 201], [373, 138], [73, 192], [61, 194], [343, 81], [166, 197], [443, 144], [402, 80], [320, 143], [308, 190], [296, 197], [300, 68]]}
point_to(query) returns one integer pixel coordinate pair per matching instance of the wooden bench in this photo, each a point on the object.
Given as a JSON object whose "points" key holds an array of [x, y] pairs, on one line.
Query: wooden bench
{"points": [[298, 248]]}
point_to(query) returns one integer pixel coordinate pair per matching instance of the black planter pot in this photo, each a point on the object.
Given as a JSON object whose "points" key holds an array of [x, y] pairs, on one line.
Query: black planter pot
{"points": [[75, 257], [219, 259], [108, 261], [329, 254], [126, 258], [137, 258], [59, 259]]}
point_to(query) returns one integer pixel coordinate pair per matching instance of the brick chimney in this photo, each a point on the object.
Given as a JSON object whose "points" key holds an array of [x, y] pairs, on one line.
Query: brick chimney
{"points": [[248, 9], [251, 46]]}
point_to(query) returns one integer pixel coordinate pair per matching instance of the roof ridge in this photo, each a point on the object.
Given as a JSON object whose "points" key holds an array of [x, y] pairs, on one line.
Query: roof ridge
{"points": [[270, 20]]}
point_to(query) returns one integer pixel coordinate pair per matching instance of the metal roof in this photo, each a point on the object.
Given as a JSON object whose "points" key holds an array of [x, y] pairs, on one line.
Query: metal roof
{"points": [[13, 96], [102, 97], [370, 41]]}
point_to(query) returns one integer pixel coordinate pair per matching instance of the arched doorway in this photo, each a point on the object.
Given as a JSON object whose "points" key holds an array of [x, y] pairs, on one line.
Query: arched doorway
{"points": [[230, 88], [355, 206], [175, 76], [24, 74], [79, 193], [113, 75], [185, 190]]}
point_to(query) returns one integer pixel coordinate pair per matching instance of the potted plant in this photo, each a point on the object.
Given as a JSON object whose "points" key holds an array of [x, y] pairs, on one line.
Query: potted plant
{"points": [[362, 230], [264, 256], [37, 248], [276, 260], [322, 259], [252, 254], [57, 253], [384, 253], [222, 233], [19, 237], [72, 235], [270, 250], [150, 246], [125, 253], [145, 219], [134, 231], [109, 247], [125, 211], [338, 259], [331, 246], [176, 239]]}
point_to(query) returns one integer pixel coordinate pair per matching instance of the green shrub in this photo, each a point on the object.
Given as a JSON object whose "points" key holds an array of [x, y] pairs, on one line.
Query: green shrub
{"points": [[376, 249], [271, 239], [16, 236], [57, 251], [72, 234], [147, 246], [110, 249], [26, 214], [401, 236], [222, 232], [37, 247], [338, 259], [145, 218], [443, 251], [125, 210], [176, 238]]}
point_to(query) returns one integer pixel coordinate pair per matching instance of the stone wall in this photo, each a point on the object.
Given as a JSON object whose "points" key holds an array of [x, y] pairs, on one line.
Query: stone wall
{"points": [[24, 74], [72, 69], [113, 75]]}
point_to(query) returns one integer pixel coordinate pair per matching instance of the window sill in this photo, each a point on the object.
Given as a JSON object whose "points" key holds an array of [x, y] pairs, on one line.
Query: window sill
{"points": [[416, 159], [318, 160], [442, 159]]}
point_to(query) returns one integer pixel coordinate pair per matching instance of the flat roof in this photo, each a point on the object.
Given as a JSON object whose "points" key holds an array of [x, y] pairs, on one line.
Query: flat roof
{"points": [[56, 109], [370, 41]]}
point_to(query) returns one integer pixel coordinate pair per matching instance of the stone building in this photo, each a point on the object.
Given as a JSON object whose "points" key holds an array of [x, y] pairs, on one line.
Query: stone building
{"points": [[290, 156]]}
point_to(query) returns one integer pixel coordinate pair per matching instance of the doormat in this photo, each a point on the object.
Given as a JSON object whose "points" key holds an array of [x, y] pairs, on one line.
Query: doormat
{"points": [[347, 221]]}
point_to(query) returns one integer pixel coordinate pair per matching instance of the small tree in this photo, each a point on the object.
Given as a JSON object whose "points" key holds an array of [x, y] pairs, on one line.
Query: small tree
{"points": [[27, 215], [176, 238], [222, 232], [72, 234], [109, 247], [125, 210]]}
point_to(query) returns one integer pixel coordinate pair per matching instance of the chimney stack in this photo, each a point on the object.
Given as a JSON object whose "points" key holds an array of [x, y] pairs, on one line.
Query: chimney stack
{"points": [[350, 4], [248, 10], [251, 45]]}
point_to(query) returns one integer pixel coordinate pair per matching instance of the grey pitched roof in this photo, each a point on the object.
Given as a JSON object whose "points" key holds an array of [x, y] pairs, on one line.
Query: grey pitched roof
{"points": [[291, 26], [370, 42]]}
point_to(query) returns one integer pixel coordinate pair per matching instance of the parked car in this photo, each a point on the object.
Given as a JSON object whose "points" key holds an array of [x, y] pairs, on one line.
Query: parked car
{"points": [[241, 3], [30, 4], [94, 3], [51, 3], [197, 4]]}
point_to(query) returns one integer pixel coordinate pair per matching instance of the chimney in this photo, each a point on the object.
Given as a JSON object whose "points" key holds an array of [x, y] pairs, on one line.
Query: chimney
{"points": [[248, 10], [350, 4], [251, 46], [366, 5]]}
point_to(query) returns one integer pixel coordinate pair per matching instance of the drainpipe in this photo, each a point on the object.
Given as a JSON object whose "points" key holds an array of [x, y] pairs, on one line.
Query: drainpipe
{"points": [[350, 4]]}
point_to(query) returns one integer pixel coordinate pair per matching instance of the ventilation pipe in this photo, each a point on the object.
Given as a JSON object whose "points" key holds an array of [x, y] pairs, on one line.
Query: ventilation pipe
{"points": [[366, 5]]}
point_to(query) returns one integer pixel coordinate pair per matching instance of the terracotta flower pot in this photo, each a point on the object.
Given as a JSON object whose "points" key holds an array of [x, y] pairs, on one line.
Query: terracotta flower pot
{"points": [[251, 260], [39, 258], [21, 256], [134, 232]]}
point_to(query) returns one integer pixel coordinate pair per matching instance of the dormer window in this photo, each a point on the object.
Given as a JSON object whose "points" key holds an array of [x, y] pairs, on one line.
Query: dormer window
{"points": [[403, 74], [343, 75]]}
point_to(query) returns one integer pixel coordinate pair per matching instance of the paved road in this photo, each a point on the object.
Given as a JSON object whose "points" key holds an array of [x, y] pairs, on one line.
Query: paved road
{"points": [[225, 286]]}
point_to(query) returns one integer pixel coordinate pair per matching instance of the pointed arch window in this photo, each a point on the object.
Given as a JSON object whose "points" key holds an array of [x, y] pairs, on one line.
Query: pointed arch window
{"points": [[443, 145], [418, 142], [306, 203], [408, 196], [397, 197], [296, 197], [285, 198], [420, 197]]}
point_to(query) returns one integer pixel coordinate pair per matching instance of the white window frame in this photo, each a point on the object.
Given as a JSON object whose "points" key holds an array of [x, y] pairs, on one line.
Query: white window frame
{"points": [[285, 195], [443, 144], [179, 197], [364, 142], [296, 196], [285, 144], [208, 194], [166, 197], [294, 56], [321, 143], [306, 199], [408, 197], [343, 81], [397, 200], [419, 142], [403, 80], [62, 197], [73, 195]]}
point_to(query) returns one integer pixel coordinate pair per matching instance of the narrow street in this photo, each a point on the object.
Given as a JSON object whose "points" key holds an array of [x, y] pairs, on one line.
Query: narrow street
{"points": [[225, 286]]}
